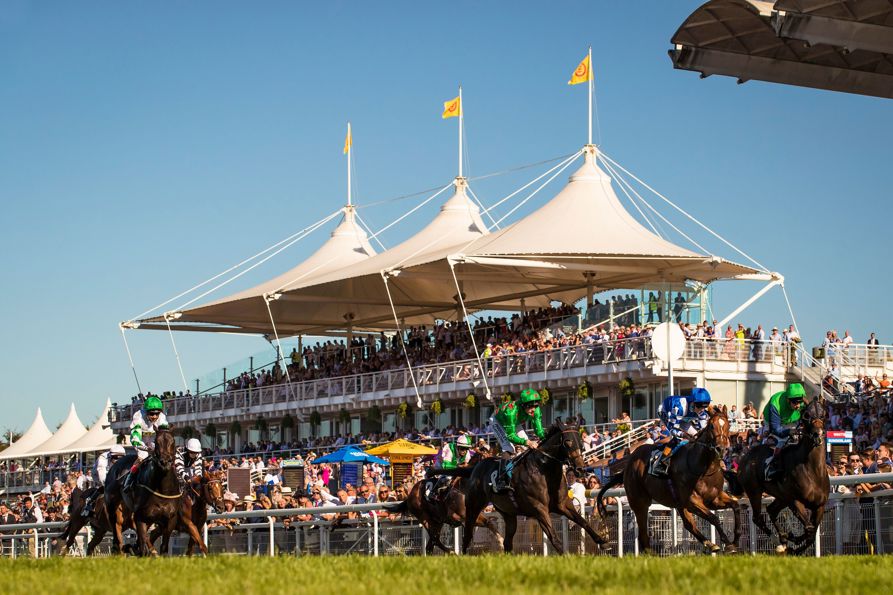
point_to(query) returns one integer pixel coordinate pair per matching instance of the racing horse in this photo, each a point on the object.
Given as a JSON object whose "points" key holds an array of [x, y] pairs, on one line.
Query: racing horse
{"points": [[153, 498], [98, 521], [193, 511], [448, 510], [539, 488], [694, 485], [802, 483]]}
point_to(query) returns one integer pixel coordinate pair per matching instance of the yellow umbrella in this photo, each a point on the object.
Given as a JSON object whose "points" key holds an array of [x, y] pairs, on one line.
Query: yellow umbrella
{"points": [[401, 450]]}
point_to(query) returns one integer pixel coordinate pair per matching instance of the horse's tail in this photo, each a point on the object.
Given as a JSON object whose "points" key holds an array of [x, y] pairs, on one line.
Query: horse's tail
{"points": [[397, 507], [457, 472], [616, 480], [735, 487]]}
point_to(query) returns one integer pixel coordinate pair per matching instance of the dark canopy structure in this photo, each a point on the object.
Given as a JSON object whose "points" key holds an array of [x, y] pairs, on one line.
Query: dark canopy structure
{"points": [[837, 45]]}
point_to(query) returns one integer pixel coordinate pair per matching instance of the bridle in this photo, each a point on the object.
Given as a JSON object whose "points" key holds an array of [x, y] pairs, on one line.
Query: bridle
{"points": [[565, 458]]}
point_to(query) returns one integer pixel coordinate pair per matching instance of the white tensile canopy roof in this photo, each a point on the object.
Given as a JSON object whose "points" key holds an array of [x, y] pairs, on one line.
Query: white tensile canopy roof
{"points": [[98, 437], [581, 241], [246, 310], [70, 430], [38, 432], [584, 231]]}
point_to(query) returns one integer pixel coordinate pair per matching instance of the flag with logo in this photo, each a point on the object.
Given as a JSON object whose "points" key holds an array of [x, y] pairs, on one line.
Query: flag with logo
{"points": [[452, 108], [348, 141], [582, 74]]}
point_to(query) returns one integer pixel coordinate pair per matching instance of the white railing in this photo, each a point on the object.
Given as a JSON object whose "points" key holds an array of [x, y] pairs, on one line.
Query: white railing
{"points": [[637, 432], [854, 523]]}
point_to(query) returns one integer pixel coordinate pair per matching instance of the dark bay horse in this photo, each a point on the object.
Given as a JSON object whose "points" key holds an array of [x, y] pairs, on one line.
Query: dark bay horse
{"points": [[694, 484], [540, 488], [193, 511], [154, 497], [98, 521], [450, 510], [802, 483]]}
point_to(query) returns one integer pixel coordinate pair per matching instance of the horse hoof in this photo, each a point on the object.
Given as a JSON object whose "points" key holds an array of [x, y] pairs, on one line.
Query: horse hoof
{"points": [[711, 547], [781, 549], [731, 548]]}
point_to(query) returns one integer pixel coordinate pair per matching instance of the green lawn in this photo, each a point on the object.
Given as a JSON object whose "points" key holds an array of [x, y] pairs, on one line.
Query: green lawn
{"points": [[742, 575]]}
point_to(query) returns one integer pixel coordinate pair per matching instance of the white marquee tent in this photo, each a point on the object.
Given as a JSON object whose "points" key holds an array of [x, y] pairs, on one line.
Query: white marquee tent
{"points": [[36, 433]]}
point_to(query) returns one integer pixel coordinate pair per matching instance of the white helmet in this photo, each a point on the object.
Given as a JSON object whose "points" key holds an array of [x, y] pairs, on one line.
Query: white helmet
{"points": [[194, 446], [117, 451], [463, 441]]}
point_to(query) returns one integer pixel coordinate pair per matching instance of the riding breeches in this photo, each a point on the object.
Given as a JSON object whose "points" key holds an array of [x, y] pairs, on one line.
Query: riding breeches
{"points": [[502, 437]]}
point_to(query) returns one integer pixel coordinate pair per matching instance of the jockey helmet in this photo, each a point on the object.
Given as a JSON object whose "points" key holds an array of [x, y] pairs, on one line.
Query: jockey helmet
{"points": [[194, 446], [529, 395], [795, 392], [700, 396], [153, 403], [116, 451], [463, 442]]}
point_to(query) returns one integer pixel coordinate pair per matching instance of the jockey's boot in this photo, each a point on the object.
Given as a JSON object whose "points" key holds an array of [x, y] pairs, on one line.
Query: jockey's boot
{"points": [[662, 465], [131, 477], [503, 480], [88, 507]]}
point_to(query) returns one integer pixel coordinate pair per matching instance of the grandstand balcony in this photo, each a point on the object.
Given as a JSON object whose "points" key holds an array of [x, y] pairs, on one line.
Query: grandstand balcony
{"points": [[735, 371]]}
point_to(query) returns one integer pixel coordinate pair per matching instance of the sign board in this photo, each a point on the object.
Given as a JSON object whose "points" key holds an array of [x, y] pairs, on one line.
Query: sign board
{"points": [[238, 480], [351, 473], [293, 475], [668, 342], [839, 437]]}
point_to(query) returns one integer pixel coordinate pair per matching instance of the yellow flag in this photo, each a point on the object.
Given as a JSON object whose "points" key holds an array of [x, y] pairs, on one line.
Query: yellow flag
{"points": [[452, 108], [348, 141], [582, 74]]}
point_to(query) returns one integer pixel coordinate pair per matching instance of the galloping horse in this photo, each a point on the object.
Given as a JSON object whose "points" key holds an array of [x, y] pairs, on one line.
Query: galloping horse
{"points": [[154, 497], [694, 484], [449, 510], [98, 520], [802, 483], [193, 511], [539, 485]]}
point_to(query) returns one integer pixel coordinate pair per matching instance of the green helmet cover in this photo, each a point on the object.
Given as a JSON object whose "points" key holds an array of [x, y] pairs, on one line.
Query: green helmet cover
{"points": [[529, 395], [153, 404], [795, 391]]}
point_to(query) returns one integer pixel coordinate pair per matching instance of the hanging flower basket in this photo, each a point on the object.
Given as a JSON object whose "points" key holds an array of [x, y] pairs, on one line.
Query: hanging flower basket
{"points": [[437, 407], [508, 397], [344, 416], [235, 428], [211, 430], [545, 395], [403, 410], [471, 401], [315, 419], [626, 387], [260, 425], [287, 422], [584, 390], [374, 414]]}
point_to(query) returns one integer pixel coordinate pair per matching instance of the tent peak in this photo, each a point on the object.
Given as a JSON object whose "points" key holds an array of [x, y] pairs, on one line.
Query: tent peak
{"points": [[590, 171]]}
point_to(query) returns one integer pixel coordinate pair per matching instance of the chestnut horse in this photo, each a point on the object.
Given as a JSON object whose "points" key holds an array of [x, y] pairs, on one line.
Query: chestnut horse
{"points": [[694, 484], [193, 511]]}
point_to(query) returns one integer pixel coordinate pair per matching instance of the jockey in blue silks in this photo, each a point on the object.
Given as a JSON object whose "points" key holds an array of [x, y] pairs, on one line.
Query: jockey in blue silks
{"points": [[684, 418]]}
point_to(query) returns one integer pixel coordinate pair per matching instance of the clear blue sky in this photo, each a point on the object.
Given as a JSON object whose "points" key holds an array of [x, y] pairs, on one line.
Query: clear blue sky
{"points": [[146, 146]]}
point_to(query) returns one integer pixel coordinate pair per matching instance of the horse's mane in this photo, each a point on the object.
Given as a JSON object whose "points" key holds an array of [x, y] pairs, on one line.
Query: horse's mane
{"points": [[814, 410]]}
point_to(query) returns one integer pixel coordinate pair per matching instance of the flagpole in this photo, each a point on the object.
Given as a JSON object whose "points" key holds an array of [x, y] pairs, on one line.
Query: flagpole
{"points": [[349, 148], [461, 115], [589, 85]]}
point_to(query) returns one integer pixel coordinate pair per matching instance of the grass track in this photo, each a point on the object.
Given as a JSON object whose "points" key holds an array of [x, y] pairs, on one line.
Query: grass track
{"points": [[481, 575]]}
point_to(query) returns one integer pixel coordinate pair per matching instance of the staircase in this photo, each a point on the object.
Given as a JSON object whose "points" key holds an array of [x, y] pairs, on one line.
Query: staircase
{"points": [[630, 439]]}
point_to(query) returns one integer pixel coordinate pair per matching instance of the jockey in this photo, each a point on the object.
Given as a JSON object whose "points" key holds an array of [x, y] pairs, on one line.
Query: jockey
{"points": [[684, 418], [100, 470], [188, 462], [505, 423], [780, 415], [452, 455], [143, 426]]}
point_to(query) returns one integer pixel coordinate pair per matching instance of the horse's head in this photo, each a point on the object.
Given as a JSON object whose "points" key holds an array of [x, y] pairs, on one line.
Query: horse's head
{"points": [[571, 446], [716, 433], [165, 448], [212, 490], [813, 422]]}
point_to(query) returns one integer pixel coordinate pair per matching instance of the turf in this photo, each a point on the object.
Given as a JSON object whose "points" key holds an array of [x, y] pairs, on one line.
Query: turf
{"points": [[445, 575]]}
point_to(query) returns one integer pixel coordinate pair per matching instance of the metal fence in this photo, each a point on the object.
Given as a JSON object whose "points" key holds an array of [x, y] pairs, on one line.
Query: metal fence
{"points": [[852, 525]]}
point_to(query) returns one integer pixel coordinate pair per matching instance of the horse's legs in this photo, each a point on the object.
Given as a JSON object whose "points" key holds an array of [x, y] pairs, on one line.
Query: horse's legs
{"points": [[94, 541], [511, 526], [142, 532], [774, 508], [640, 509], [755, 498], [567, 509], [542, 517], [697, 506], [490, 523], [194, 538], [434, 530], [815, 521], [688, 522], [118, 526], [473, 508]]}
